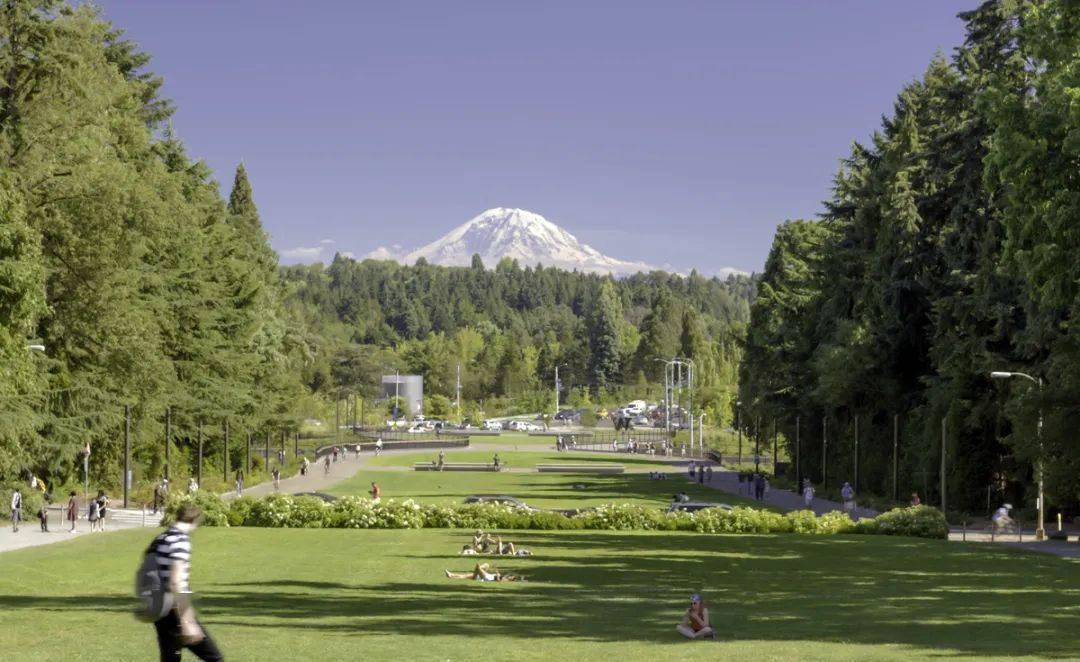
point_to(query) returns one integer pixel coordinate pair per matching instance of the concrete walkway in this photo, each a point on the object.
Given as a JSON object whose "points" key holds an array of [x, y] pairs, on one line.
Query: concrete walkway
{"points": [[31, 535], [786, 500]]}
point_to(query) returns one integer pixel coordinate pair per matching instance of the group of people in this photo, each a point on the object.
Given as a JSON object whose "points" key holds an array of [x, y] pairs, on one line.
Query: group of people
{"points": [[96, 512], [701, 472], [662, 447], [487, 544]]}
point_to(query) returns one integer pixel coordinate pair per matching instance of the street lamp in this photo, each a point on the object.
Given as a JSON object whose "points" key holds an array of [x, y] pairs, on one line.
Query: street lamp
{"points": [[738, 425], [1040, 531]]}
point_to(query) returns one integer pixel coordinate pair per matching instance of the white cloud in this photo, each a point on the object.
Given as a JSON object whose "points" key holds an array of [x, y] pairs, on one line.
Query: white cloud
{"points": [[323, 251], [394, 252]]}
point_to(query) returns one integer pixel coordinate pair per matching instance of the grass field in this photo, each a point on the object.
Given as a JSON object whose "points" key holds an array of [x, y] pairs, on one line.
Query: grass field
{"points": [[271, 594], [535, 489], [527, 459]]}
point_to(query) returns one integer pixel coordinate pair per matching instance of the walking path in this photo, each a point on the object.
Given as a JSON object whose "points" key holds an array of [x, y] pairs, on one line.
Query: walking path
{"points": [[726, 480]]}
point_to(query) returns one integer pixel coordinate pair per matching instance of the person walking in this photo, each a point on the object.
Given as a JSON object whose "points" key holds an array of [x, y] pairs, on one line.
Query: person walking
{"points": [[496, 462], [192, 485], [708, 477], [43, 517], [808, 494], [326, 465], [376, 493], [378, 446], [239, 478], [92, 514], [103, 508], [277, 479], [16, 509], [442, 460], [72, 511], [847, 495], [180, 628], [759, 487], [303, 465]]}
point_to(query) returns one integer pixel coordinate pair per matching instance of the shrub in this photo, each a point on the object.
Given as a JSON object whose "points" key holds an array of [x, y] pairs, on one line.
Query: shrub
{"points": [[215, 510], [915, 521], [282, 510]]}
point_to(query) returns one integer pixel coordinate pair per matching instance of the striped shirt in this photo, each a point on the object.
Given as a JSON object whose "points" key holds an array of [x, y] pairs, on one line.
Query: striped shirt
{"points": [[169, 547]]}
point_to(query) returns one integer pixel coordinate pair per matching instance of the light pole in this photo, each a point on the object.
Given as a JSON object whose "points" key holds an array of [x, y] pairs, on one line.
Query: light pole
{"points": [[558, 385], [1040, 531], [738, 425]]}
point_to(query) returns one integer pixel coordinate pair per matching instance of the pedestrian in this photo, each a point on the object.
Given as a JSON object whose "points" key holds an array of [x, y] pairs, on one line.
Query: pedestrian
{"points": [[326, 465], [72, 511], [179, 628], [277, 478], [442, 460], [496, 463], [759, 487], [709, 477], [378, 446], [103, 508], [765, 490], [16, 509], [303, 465], [43, 517], [192, 485], [847, 495], [915, 501], [701, 476], [239, 478], [690, 469], [808, 494], [92, 514], [376, 493]]}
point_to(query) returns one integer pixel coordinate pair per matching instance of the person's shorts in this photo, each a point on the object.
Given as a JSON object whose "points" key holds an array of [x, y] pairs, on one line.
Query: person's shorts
{"points": [[16, 516]]}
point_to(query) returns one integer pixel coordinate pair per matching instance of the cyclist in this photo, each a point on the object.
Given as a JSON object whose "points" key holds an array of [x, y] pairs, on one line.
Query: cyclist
{"points": [[1001, 518]]}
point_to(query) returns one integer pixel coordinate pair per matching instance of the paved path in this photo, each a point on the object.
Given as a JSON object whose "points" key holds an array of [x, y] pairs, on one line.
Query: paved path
{"points": [[31, 535], [728, 481]]}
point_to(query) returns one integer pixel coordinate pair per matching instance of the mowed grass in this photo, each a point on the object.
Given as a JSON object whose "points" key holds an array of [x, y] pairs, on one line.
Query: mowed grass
{"points": [[270, 594], [535, 489], [527, 459]]}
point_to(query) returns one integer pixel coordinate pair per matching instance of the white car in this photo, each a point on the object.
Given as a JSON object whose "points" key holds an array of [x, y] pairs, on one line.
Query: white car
{"points": [[636, 408], [417, 429], [493, 425]]}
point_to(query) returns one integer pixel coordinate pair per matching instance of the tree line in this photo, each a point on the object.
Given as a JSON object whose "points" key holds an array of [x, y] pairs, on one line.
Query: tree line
{"points": [[118, 253], [947, 251], [505, 330]]}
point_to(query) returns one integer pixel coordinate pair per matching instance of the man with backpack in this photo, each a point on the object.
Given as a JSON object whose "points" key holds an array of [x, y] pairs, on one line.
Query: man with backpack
{"points": [[162, 586]]}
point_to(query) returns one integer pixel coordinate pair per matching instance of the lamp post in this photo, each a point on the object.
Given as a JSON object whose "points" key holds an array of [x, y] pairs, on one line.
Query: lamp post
{"points": [[738, 425], [1040, 531], [558, 385]]}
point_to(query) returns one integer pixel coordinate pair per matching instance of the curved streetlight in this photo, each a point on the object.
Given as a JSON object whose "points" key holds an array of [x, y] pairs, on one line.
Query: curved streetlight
{"points": [[1040, 531]]}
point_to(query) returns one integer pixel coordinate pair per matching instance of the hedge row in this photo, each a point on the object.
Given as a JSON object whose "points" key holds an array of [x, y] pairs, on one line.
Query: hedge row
{"points": [[285, 511]]}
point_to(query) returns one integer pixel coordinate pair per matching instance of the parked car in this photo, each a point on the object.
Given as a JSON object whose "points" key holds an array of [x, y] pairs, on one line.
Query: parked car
{"points": [[493, 425], [568, 415], [502, 499], [418, 428], [636, 407], [694, 506], [640, 420]]}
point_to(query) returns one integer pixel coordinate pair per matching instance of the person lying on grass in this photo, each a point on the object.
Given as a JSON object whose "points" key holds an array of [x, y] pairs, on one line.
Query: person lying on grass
{"points": [[485, 572], [486, 544], [695, 622]]}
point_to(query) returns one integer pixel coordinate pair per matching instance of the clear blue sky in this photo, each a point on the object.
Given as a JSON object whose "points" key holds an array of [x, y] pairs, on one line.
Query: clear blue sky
{"points": [[672, 132]]}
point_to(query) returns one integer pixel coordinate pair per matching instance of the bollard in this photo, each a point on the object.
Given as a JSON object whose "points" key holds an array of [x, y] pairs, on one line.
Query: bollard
{"points": [[963, 534]]}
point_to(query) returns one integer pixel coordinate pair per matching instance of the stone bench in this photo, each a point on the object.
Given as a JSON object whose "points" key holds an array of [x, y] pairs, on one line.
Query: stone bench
{"points": [[581, 468], [456, 466]]}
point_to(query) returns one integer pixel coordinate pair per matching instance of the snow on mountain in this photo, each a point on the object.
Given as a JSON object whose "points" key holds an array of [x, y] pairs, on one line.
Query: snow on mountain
{"points": [[520, 235]]}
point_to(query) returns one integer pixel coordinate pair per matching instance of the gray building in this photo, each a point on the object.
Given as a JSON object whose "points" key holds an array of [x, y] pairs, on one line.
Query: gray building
{"points": [[410, 388]]}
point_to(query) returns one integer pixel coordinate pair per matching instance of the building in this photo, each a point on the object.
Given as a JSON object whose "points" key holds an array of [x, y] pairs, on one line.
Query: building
{"points": [[410, 388]]}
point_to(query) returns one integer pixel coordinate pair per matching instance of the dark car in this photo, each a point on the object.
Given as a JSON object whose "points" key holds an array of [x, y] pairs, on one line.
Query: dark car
{"points": [[499, 498], [693, 507], [328, 498]]}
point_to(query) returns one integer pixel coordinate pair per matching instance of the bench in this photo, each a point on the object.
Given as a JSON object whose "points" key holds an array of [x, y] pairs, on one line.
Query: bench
{"points": [[581, 468], [457, 466]]}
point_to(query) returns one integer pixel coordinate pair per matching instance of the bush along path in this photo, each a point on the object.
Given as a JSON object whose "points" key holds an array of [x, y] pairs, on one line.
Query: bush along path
{"points": [[287, 511]]}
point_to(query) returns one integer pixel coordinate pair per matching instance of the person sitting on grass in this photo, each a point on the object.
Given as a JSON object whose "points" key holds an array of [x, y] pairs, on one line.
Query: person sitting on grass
{"points": [[485, 572], [695, 622]]}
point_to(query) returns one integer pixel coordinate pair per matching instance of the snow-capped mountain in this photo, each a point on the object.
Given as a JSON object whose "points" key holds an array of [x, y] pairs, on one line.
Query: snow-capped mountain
{"points": [[518, 234]]}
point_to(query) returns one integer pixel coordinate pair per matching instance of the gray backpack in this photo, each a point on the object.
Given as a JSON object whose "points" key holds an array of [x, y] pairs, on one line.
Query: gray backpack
{"points": [[154, 600]]}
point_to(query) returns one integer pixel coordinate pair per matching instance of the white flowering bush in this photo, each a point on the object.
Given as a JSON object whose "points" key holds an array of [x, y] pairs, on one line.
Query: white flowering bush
{"points": [[916, 521], [285, 511]]}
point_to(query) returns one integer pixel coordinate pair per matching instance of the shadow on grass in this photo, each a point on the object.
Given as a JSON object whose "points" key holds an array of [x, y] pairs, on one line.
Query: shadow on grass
{"points": [[618, 587]]}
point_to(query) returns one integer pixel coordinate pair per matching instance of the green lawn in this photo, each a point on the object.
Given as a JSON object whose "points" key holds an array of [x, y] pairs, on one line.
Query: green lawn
{"points": [[536, 489], [527, 459], [381, 595]]}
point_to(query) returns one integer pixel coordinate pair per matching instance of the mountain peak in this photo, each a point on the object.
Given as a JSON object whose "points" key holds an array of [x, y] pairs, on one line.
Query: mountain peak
{"points": [[520, 235]]}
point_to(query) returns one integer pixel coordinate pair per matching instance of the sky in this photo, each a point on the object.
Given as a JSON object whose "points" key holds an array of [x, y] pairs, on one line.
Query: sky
{"points": [[673, 132]]}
